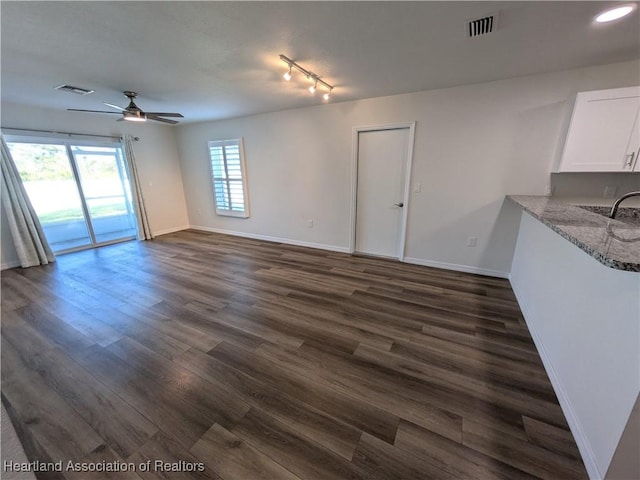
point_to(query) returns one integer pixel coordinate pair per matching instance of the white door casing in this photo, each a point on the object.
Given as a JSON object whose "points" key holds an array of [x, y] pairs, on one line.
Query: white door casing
{"points": [[381, 172]]}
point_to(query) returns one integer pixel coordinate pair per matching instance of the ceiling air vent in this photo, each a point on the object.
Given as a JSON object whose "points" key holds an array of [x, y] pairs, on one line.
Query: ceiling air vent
{"points": [[72, 89], [482, 26]]}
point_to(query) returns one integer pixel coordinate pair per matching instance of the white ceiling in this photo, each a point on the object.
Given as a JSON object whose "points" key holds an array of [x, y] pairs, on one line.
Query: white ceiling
{"points": [[215, 60]]}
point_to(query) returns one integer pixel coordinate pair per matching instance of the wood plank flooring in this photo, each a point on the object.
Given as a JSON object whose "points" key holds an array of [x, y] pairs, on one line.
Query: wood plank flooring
{"points": [[268, 361]]}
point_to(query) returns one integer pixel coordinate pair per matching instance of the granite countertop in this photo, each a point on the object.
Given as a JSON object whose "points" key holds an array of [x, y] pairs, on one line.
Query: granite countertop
{"points": [[614, 243]]}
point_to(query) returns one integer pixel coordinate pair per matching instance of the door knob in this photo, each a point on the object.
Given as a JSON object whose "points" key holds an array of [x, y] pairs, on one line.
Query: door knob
{"points": [[399, 204]]}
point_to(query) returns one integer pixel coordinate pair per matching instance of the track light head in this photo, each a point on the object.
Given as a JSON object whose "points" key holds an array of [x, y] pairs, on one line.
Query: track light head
{"points": [[314, 87], [287, 75], [327, 96]]}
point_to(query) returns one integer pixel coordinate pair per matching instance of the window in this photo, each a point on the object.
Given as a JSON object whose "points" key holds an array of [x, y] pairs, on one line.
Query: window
{"points": [[229, 178]]}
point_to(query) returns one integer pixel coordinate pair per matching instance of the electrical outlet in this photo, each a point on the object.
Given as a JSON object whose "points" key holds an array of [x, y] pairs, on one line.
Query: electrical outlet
{"points": [[472, 241], [310, 223], [417, 188], [610, 191], [548, 190]]}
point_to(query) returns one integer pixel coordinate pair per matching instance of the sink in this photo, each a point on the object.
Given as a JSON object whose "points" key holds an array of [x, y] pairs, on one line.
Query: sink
{"points": [[629, 215]]}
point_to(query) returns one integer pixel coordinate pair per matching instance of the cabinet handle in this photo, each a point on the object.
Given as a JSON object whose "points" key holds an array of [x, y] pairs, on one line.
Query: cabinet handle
{"points": [[629, 160]]}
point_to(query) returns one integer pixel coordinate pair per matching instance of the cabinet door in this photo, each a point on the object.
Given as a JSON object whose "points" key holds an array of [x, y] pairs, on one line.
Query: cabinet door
{"points": [[633, 149], [600, 132]]}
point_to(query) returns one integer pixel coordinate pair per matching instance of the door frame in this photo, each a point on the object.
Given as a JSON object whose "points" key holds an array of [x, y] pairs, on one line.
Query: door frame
{"points": [[407, 180]]}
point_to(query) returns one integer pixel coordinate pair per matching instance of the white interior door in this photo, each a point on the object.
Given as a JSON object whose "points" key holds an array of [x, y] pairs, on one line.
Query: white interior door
{"points": [[381, 163]]}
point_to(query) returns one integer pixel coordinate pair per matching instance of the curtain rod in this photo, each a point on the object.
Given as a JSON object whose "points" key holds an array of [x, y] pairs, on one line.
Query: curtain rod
{"points": [[67, 133]]}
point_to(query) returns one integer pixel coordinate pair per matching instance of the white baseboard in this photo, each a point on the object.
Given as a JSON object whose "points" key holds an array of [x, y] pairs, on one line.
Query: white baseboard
{"points": [[458, 268], [268, 238], [170, 230], [582, 442], [333, 248], [11, 264]]}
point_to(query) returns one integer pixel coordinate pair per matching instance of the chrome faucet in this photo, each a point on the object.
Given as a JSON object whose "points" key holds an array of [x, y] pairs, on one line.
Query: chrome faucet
{"points": [[617, 203]]}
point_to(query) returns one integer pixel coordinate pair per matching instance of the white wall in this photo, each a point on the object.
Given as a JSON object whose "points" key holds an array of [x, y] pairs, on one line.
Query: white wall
{"points": [[156, 155], [585, 320], [12, 450], [474, 144]]}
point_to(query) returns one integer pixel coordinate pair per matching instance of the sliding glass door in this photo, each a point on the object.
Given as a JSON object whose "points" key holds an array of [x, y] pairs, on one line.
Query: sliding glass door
{"points": [[105, 189], [79, 190]]}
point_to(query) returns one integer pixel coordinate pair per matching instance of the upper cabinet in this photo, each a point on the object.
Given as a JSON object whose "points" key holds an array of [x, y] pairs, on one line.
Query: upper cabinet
{"points": [[604, 134]]}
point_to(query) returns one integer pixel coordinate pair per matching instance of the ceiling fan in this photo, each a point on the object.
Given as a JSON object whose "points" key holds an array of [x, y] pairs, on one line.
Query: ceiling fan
{"points": [[133, 113]]}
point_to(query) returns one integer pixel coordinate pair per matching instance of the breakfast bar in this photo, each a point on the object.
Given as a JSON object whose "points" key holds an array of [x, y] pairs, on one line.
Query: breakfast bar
{"points": [[576, 274]]}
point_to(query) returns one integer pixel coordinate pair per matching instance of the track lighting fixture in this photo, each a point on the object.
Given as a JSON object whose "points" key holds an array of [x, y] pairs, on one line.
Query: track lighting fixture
{"points": [[310, 75]]}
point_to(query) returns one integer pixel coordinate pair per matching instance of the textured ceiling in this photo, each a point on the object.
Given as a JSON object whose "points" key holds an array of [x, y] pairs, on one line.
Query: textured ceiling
{"points": [[215, 60]]}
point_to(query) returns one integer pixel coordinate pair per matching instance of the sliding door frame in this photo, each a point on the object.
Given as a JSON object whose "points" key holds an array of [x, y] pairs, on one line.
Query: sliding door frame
{"points": [[68, 143], [83, 200]]}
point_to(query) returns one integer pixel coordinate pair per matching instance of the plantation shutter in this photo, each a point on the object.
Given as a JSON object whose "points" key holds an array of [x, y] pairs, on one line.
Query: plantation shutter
{"points": [[229, 179]]}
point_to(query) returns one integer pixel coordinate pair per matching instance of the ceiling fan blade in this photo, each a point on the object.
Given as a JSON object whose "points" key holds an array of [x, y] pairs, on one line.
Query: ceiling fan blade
{"points": [[165, 114], [113, 106], [92, 111], [159, 119]]}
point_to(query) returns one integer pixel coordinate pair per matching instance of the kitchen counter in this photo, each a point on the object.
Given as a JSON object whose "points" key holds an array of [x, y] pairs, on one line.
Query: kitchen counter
{"points": [[584, 317], [613, 243]]}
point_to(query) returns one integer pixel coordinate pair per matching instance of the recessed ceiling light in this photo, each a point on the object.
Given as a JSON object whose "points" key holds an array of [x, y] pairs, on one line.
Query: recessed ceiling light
{"points": [[614, 14]]}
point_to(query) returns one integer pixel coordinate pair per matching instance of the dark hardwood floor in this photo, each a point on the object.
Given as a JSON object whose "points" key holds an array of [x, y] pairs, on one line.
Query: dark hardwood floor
{"points": [[268, 361]]}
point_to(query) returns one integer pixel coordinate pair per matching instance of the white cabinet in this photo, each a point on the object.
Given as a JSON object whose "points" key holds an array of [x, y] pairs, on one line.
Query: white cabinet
{"points": [[604, 134]]}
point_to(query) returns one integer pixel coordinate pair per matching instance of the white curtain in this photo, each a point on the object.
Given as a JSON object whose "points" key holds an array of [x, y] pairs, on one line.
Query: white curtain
{"points": [[31, 244], [144, 231]]}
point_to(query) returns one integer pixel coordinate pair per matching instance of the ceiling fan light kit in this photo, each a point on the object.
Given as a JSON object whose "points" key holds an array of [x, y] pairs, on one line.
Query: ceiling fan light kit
{"points": [[134, 117], [133, 113], [314, 77]]}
